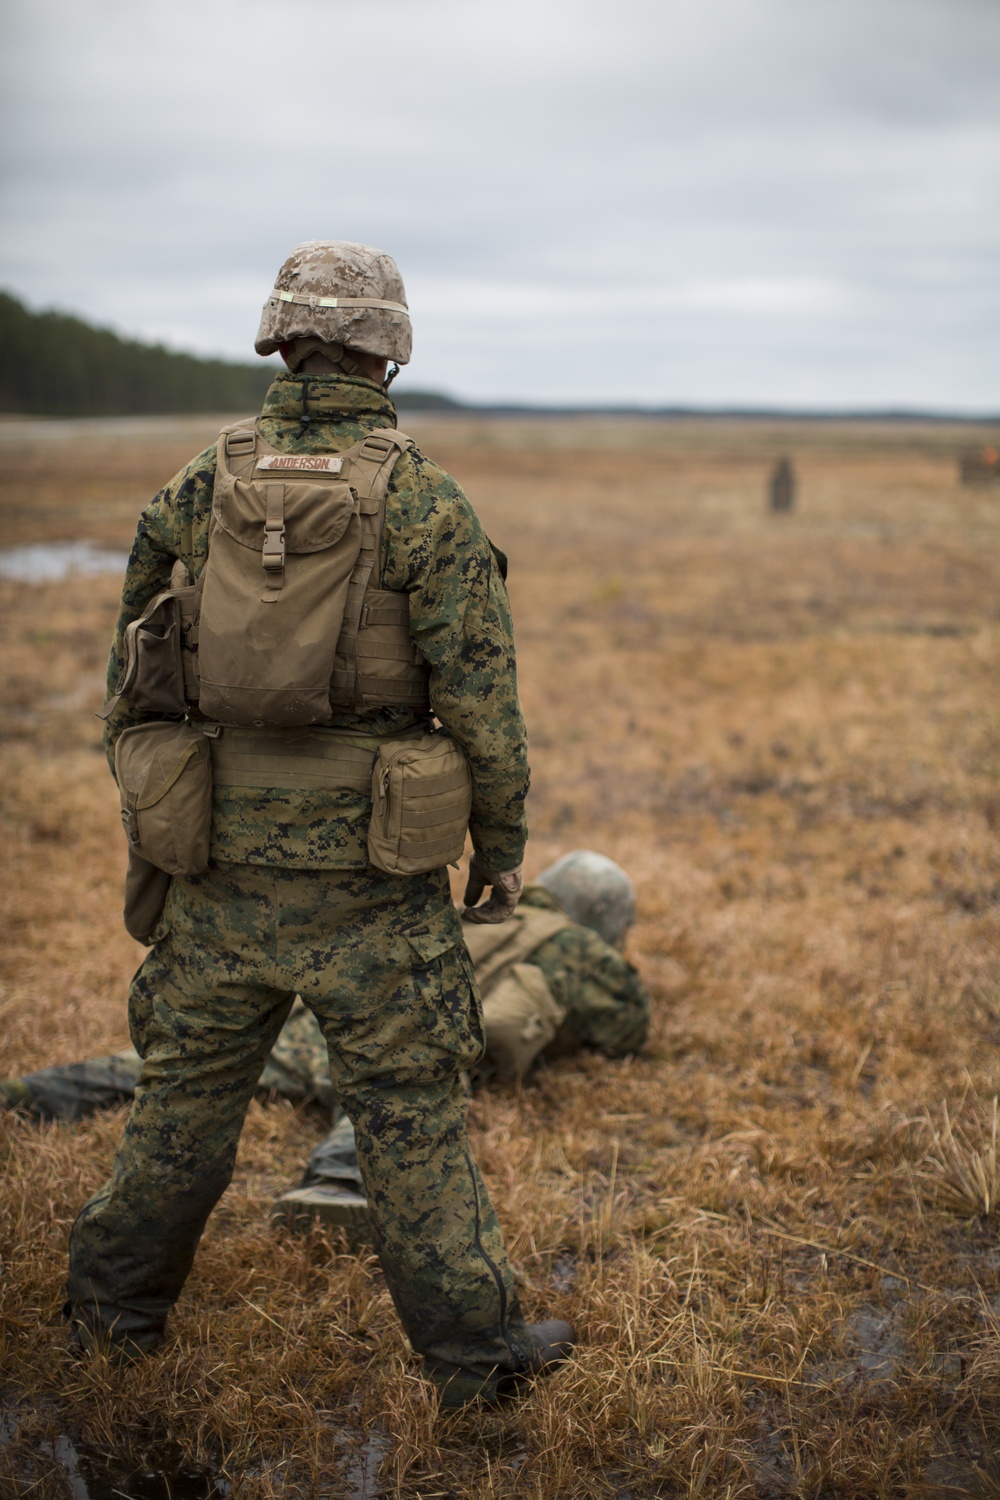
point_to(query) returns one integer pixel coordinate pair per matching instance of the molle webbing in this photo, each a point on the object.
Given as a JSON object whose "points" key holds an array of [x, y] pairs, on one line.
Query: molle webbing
{"points": [[312, 759], [384, 646], [495, 949], [376, 661]]}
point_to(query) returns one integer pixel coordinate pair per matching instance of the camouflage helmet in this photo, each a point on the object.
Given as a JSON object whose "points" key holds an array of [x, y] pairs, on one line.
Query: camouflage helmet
{"points": [[341, 293], [594, 891]]}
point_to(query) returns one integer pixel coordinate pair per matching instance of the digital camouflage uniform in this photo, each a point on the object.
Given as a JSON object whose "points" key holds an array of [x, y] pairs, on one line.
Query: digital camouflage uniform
{"points": [[290, 905]]}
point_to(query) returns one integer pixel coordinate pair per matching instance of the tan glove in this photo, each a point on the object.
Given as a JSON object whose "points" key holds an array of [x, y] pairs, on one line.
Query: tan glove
{"points": [[505, 888]]}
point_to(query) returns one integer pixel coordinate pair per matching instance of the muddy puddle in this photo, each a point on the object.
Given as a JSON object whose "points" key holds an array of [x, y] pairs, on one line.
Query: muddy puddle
{"points": [[50, 562], [155, 1473]]}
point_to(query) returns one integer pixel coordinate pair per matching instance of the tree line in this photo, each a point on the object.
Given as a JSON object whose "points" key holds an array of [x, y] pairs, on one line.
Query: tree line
{"points": [[52, 364]]}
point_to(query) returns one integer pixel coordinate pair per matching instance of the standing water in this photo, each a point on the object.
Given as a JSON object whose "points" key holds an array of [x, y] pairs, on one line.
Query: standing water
{"points": [[50, 562]]}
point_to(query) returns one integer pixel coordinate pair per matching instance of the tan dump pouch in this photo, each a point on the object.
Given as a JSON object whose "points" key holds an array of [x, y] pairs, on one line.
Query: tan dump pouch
{"points": [[520, 1017], [160, 675], [164, 774], [421, 801], [146, 890]]}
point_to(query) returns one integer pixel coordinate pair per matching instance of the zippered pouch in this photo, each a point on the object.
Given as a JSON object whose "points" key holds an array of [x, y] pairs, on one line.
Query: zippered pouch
{"points": [[421, 801]]}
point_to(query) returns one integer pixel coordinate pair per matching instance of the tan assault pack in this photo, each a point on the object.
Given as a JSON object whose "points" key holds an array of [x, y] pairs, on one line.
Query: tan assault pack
{"points": [[287, 624], [521, 1015]]}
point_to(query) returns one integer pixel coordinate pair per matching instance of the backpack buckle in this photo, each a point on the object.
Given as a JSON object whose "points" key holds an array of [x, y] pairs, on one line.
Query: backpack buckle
{"points": [[273, 555], [241, 442]]}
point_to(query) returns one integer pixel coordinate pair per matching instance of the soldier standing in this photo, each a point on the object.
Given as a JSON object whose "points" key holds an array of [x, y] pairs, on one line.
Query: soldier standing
{"points": [[236, 566], [781, 486]]}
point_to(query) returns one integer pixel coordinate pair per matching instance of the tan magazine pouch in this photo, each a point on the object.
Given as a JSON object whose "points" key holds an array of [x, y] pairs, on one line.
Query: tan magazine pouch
{"points": [[164, 774], [160, 674], [520, 1017], [421, 801]]}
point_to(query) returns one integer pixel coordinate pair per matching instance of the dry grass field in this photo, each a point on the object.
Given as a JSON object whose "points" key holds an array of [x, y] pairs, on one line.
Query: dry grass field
{"points": [[776, 1231]]}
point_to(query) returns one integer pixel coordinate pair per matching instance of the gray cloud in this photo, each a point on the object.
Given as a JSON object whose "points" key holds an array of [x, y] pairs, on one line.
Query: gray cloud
{"points": [[692, 200]]}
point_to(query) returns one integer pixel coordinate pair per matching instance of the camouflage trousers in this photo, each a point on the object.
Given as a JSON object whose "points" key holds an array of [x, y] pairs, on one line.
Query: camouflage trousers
{"points": [[381, 963]]}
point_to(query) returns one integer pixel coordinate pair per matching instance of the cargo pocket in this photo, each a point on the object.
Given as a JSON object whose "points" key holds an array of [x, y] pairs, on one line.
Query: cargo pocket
{"points": [[444, 982], [164, 776]]}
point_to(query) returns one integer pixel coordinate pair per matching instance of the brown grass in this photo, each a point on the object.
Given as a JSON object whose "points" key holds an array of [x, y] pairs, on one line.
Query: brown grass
{"points": [[777, 1230]]}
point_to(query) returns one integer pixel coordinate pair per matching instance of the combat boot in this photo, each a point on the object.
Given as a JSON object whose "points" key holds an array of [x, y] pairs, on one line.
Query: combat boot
{"points": [[552, 1345], [15, 1095], [326, 1203], [554, 1342], [86, 1341]]}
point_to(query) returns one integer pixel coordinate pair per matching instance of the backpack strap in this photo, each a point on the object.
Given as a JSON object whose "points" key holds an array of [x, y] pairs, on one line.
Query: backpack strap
{"points": [[371, 466], [237, 448], [235, 451], [371, 469], [494, 949], [235, 457]]}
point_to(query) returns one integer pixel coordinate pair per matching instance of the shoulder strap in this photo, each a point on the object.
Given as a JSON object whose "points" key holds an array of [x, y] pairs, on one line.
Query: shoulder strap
{"points": [[236, 450], [371, 466]]}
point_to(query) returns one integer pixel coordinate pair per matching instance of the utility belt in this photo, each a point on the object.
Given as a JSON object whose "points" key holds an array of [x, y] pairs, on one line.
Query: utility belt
{"points": [[419, 782]]}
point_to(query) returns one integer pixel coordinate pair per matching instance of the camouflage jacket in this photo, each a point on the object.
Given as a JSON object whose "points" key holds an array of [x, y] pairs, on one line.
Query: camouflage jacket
{"points": [[606, 1003], [433, 548]]}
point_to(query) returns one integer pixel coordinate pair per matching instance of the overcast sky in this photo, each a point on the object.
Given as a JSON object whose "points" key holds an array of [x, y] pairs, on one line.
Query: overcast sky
{"points": [[702, 202]]}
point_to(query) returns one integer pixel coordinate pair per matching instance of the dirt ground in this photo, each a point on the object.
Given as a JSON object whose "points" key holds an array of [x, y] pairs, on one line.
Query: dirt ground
{"points": [[776, 1230]]}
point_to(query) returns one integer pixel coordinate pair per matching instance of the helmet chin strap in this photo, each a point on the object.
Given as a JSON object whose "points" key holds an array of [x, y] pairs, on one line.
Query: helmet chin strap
{"points": [[390, 377]]}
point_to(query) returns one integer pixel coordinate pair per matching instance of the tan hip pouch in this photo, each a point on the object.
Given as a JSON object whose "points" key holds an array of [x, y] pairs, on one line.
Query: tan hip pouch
{"points": [[421, 801], [164, 773]]}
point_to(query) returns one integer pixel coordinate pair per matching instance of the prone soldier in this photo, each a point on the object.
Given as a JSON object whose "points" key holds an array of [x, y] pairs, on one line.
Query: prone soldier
{"points": [[553, 979]]}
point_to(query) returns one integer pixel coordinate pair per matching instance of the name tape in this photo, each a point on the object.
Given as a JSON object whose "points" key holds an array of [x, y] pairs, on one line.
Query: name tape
{"points": [[301, 463]]}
